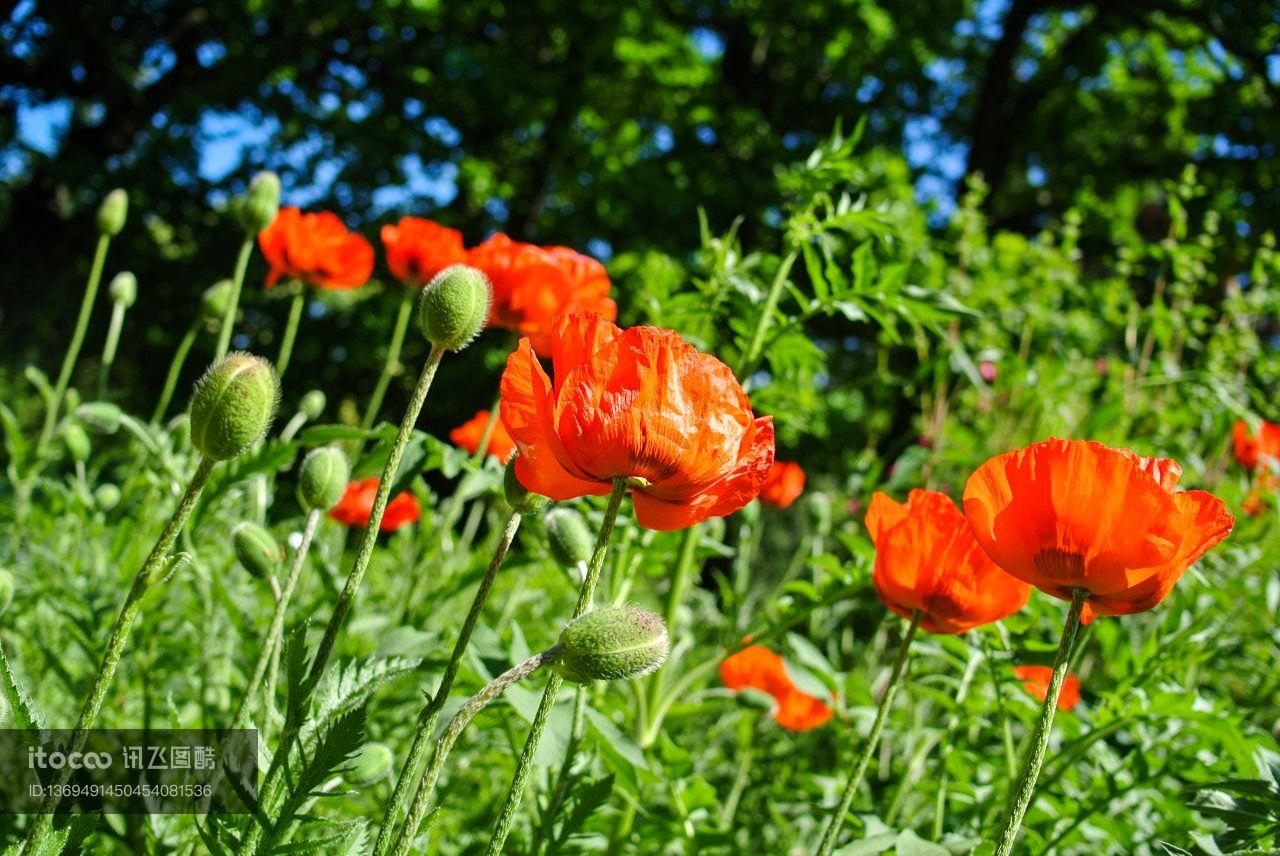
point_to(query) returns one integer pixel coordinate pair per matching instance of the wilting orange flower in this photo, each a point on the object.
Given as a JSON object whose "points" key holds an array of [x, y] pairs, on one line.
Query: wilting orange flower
{"points": [[418, 249], [533, 285], [1035, 680], [756, 667], [356, 507], [1262, 450], [1068, 514], [639, 404], [783, 484], [315, 248], [927, 559], [467, 436]]}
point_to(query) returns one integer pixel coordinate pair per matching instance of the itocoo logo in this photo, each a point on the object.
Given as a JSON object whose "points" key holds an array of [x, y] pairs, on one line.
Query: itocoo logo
{"points": [[39, 759]]}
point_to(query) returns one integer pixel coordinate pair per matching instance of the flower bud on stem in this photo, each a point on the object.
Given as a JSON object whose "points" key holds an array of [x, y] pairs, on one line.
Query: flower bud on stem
{"points": [[290, 331], [124, 291]]}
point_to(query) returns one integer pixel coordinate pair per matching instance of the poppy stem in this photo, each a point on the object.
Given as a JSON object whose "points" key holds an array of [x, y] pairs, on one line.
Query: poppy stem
{"points": [[77, 339], [832, 831], [1040, 739], [175, 369], [525, 764], [290, 332], [109, 347], [237, 282], [431, 712], [392, 366]]}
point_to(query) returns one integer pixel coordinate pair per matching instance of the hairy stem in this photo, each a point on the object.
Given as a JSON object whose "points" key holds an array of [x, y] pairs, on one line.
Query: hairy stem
{"points": [[237, 282]]}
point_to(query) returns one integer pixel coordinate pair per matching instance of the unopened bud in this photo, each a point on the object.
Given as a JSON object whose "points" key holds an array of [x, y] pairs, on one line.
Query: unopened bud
{"points": [[323, 478], [371, 763], [312, 405], [167, 568], [123, 288], [454, 307], [101, 415], [112, 213], [519, 497], [216, 300], [257, 550], [232, 405], [260, 203], [77, 441], [6, 590], [106, 497], [570, 540], [612, 644]]}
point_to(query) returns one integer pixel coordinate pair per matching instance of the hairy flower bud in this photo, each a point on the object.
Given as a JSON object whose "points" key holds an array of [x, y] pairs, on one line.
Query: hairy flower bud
{"points": [[106, 497], [260, 203], [371, 763], [570, 540], [611, 644], [215, 301], [6, 590], [77, 441], [312, 404], [519, 497], [101, 415], [112, 213], [454, 307], [259, 553], [232, 405], [123, 288], [322, 478]]}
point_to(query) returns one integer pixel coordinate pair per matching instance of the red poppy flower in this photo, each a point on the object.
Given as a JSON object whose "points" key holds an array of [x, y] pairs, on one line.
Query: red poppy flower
{"points": [[533, 285], [467, 436], [927, 559], [418, 249], [1262, 450], [356, 506], [1261, 496], [1035, 680], [1068, 514], [639, 404], [756, 667], [315, 248], [783, 484]]}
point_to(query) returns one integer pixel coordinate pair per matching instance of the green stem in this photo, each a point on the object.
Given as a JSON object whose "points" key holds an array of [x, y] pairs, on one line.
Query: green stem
{"points": [[832, 831], [175, 369], [237, 282], [77, 340], [431, 712], [146, 578], [110, 346], [392, 366], [525, 764], [1040, 739], [752, 354], [290, 332], [683, 574], [561, 789], [746, 754], [486, 435], [460, 719], [273, 640]]}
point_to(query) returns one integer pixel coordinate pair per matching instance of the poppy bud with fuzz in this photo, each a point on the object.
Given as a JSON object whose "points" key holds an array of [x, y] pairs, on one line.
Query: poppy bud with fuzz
{"points": [[260, 203], [256, 549], [232, 405], [322, 478], [570, 540], [112, 213], [612, 644], [123, 289], [312, 404], [454, 307], [215, 301]]}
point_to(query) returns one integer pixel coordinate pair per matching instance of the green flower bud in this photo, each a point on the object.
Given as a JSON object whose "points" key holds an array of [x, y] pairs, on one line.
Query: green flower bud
{"points": [[322, 478], [454, 307], [519, 497], [567, 533], [257, 550], [611, 644], [232, 405], [106, 496], [77, 441], [101, 415], [371, 763], [174, 564], [6, 590], [312, 404], [123, 288], [215, 301], [112, 213], [260, 203]]}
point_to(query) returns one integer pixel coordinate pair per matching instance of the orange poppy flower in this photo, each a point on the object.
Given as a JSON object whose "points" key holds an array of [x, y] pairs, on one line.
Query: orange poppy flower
{"points": [[533, 285], [467, 436], [1068, 514], [356, 507], [639, 404], [1264, 449], [1262, 495], [783, 484], [927, 559], [756, 667], [1035, 680], [418, 249], [315, 248]]}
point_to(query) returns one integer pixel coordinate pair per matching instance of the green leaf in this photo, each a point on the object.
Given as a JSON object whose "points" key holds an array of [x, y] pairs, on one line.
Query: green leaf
{"points": [[18, 702]]}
